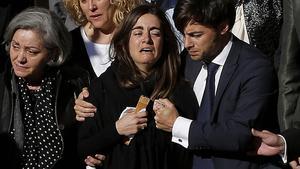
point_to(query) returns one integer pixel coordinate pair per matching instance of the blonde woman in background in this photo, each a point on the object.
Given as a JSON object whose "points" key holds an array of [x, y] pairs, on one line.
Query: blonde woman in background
{"points": [[97, 20]]}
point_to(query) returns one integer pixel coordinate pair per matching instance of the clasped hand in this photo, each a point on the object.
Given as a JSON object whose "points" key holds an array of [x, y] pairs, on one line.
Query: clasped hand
{"points": [[165, 114], [130, 122]]}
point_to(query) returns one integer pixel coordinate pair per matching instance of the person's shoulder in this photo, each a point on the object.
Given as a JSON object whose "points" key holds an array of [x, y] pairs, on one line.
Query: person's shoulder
{"points": [[248, 54], [75, 31], [107, 77], [76, 36], [183, 89], [74, 73]]}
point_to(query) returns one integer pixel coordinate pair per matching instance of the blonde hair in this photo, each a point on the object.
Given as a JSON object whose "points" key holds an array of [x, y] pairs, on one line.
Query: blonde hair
{"points": [[122, 8]]}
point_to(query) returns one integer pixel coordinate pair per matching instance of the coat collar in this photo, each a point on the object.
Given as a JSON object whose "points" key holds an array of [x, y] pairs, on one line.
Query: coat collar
{"points": [[229, 68]]}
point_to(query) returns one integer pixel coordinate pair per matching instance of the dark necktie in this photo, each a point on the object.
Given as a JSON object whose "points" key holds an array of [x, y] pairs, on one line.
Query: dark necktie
{"points": [[206, 105], [205, 110]]}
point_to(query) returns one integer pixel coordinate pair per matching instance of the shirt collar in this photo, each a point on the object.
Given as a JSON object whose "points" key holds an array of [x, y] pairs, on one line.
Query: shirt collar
{"points": [[221, 58]]}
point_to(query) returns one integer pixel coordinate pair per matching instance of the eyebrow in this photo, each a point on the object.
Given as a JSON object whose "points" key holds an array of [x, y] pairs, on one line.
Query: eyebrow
{"points": [[27, 47], [140, 27], [193, 32]]}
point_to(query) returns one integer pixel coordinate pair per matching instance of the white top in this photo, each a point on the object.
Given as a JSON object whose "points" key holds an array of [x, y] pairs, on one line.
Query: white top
{"points": [[239, 28], [181, 127], [98, 54], [169, 14]]}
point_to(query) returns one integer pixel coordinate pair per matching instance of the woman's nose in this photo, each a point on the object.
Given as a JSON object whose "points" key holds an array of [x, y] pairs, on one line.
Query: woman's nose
{"points": [[21, 58], [92, 5], [147, 38]]}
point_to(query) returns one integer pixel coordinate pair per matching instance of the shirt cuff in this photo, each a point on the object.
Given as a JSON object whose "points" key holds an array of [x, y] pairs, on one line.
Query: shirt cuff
{"points": [[283, 154], [180, 131]]}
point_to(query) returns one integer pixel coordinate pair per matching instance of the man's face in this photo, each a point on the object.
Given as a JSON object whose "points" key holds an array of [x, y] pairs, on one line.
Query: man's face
{"points": [[201, 41]]}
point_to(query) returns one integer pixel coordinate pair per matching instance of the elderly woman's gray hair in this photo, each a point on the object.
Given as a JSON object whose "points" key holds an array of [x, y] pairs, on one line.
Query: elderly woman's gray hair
{"points": [[54, 33]]}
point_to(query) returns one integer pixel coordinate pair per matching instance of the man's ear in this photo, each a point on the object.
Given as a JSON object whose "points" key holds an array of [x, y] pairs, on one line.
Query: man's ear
{"points": [[223, 27]]}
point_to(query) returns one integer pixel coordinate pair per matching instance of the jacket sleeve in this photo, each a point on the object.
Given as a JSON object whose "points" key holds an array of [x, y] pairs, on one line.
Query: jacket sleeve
{"points": [[93, 137], [293, 145]]}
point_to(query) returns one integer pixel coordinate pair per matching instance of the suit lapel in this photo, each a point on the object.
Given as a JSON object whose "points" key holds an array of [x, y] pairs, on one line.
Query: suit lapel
{"points": [[229, 69]]}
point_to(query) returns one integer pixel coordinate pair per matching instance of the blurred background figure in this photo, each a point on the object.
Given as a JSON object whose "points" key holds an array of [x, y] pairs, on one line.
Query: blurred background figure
{"points": [[259, 23], [289, 69], [57, 6], [168, 7], [37, 93], [289, 85], [8, 9]]}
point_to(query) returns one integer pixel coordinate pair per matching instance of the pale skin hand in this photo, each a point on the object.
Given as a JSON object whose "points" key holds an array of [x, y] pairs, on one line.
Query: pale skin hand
{"points": [[272, 144], [131, 122], [165, 114], [94, 160], [269, 144], [295, 164], [82, 108]]}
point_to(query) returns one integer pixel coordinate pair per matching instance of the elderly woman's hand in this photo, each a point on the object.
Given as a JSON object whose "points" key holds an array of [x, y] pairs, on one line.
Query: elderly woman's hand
{"points": [[130, 123], [94, 161], [82, 108]]}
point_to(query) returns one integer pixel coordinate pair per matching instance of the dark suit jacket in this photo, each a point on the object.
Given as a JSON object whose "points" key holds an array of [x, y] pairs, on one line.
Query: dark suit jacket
{"points": [[289, 68], [246, 98], [292, 136]]}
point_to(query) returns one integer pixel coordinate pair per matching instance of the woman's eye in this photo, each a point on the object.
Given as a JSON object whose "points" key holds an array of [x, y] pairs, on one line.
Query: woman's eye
{"points": [[196, 35], [155, 32], [32, 52], [15, 46], [137, 33]]}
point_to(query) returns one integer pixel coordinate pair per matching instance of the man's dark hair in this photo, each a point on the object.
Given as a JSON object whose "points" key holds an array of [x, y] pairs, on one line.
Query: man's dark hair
{"points": [[207, 12]]}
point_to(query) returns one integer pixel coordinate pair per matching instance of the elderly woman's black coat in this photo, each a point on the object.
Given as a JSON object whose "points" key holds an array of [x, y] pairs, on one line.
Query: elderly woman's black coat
{"points": [[69, 84]]}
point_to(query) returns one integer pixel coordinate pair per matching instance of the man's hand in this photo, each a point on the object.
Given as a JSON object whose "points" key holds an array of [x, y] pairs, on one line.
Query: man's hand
{"points": [[295, 164], [94, 161], [82, 108], [166, 114], [268, 143]]}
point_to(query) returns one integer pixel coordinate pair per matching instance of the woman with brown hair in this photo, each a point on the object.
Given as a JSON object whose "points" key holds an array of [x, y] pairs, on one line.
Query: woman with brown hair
{"points": [[146, 62]]}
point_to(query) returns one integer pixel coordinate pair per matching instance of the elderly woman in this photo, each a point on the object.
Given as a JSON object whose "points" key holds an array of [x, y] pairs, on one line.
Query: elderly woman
{"points": [[146, 62], [37, 94]]}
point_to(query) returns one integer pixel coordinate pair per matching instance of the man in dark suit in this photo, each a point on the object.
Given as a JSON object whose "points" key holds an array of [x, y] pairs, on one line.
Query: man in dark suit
{"points": [[241, 93]]}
